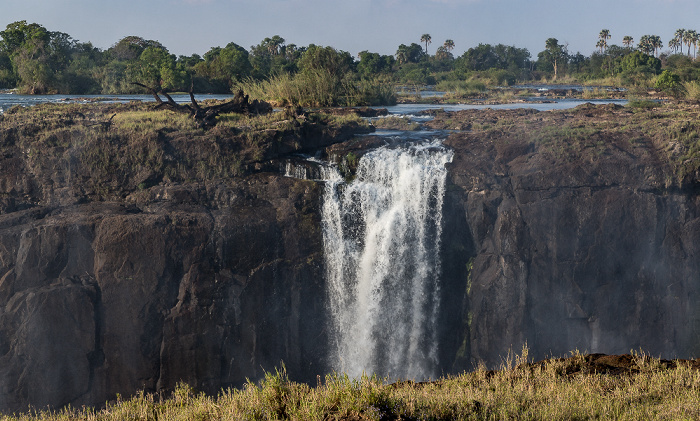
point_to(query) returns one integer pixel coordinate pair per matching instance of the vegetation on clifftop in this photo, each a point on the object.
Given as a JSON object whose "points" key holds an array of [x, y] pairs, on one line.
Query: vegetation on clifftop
{"points": [[630, 387], [107, 151]]}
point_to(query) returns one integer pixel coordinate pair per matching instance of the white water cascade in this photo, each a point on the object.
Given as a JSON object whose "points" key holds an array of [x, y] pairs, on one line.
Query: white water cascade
{"points": [[382, 241]]}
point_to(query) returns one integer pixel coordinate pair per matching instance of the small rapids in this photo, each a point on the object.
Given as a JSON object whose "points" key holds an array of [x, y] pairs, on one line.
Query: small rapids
{"points": [[381, 237]]}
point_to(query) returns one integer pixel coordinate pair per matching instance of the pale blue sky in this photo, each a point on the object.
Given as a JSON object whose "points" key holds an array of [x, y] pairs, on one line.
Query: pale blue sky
{"points": [[193, 26]]}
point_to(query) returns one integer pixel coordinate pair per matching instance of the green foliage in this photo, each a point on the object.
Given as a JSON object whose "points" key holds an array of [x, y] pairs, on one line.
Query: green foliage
{"points": [[372, 64], [319, 88], [410, 54], [36, 60], [487, 57], [222, 68], [670, 83]]}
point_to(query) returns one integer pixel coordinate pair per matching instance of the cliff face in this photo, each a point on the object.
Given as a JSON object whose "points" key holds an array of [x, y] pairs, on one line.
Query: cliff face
{"points": [[133, 263], [135, 259], [582, 232], [100, 299]]}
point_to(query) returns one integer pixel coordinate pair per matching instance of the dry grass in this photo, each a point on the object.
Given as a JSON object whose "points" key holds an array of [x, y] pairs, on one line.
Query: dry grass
{"points": [[555, 389]]}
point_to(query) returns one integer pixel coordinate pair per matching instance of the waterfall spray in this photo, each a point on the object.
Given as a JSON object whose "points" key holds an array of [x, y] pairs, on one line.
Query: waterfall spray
{"points": [[382, 242]]}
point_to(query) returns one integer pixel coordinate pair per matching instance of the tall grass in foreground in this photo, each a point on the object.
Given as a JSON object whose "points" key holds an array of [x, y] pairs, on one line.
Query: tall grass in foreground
{"points": [[553, 389], [319, 88]]}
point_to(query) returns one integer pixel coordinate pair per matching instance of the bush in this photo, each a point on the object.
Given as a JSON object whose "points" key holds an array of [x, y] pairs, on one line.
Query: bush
{"points": [[670, 83]]}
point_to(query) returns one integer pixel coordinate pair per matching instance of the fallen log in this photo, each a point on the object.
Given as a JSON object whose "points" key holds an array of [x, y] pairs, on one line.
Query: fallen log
{"points": [[206, 116]]}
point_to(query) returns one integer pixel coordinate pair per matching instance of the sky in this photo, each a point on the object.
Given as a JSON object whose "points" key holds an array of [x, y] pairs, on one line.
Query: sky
{"points": [[187, 27]]}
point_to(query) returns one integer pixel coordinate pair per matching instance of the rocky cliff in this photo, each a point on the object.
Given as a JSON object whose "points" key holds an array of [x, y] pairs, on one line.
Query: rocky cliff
{"points": [[576, 229], [137, 256], [141, 253]]}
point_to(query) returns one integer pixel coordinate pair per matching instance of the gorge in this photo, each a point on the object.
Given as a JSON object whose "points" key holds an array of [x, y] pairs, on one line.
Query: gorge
{"points": [[132, 261]]}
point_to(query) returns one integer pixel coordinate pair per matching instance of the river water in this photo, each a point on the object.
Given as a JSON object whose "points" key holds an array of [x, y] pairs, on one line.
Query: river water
{"points": [[9, 100]]}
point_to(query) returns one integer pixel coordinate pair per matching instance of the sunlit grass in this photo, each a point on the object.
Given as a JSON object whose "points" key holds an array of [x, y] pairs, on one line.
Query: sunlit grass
{"points": [[319, 88], [552, 389]]}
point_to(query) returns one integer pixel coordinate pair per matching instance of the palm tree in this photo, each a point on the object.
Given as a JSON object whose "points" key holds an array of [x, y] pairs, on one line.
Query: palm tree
{"points": [[690, 38], [604, 36], [628, 41], [674, 44], [442, 53], [449, 45], [426, 39], [401, 55], [644, 45], [656, 44], [600, 44], [680, 35]]}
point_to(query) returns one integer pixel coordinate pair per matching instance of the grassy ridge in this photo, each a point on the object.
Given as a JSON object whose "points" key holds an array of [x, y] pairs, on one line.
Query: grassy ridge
{"points": [[635, 387]]}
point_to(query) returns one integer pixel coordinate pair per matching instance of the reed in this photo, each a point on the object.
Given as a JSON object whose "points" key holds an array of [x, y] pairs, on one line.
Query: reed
{"points": [[319, 88]]}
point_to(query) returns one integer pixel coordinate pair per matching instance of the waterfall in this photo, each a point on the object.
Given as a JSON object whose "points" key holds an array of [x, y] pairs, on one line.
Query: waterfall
{"points": [[381, 237]]}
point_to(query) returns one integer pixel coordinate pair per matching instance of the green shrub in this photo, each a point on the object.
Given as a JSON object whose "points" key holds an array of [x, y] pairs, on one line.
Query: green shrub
{"points": [[670, 83]]}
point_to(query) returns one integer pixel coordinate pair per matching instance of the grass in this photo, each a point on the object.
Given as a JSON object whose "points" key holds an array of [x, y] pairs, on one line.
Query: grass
{"points": [[319, 88], [462, 89], [396, 123], [558, 389]]}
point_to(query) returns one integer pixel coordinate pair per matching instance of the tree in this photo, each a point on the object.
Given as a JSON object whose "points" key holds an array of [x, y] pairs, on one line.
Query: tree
{"points": [[690, 38], [679, 36], [656, 43], [674, 44], [223, 67], [487, 56], [670, 83], [131, 47], [373, 64], [449, 45], [427, 40], [409, 53], [336, 62], [554, 53], [156, 67], [628, 41], [443, 54], [603, 36], [645, 45]]}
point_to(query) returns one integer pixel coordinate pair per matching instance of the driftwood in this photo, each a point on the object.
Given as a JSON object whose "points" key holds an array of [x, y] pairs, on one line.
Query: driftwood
{"points": [[206, 116]]}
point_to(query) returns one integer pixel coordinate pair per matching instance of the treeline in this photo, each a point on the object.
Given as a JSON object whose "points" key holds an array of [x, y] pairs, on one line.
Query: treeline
{"points": [[35, 60]]}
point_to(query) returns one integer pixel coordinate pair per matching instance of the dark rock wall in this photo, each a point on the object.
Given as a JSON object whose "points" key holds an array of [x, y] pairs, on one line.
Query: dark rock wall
{"points": [[100, 299], [212, 283], [598, 255]]}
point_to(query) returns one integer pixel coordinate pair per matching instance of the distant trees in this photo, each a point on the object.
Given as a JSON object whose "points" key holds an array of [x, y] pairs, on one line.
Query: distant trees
{"points": [[487, 56], [373, 64], [36, 60]]}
